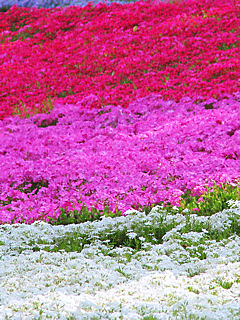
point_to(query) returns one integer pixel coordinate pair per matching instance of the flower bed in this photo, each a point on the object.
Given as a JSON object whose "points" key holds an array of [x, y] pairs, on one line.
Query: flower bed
{"points": [[110, 108], [152, 152], [166, 268], [142, 112], [117, 53]]}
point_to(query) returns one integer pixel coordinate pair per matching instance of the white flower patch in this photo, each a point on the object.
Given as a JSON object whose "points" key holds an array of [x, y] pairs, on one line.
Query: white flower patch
{"points": [[185, 276]]}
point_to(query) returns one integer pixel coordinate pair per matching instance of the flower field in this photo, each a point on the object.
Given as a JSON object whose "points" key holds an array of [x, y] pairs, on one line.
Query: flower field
{"points": [[136, 111], [117, 53], [120, 160], [166, 268]]}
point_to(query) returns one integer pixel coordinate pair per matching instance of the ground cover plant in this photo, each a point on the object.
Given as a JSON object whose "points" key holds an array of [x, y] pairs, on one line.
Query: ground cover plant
{"points": [[117, 53], [114, 159], [119, 161], [162, 265], [84, 160]]}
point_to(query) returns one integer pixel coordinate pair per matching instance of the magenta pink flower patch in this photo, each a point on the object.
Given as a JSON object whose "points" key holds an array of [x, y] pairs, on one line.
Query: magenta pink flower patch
{"points": [[153, 151]]}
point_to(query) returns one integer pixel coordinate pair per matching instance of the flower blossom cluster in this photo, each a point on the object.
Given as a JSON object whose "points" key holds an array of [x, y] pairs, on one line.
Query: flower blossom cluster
{"points": [[152, 151], [144, 105], [118, 53]]}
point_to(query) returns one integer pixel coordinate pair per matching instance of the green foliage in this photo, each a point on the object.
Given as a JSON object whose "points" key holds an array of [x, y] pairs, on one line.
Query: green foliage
{"points": [[150, 318], [4, 8], [21, 36], [166, 78], [225, 46], [23, 112], [212, 201], [191, 289], [32, 186], [113, 237], [65, 93], [45, 123], [75, 217], [225, 284], [71, 242], [125, 80], [208, 106]]}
